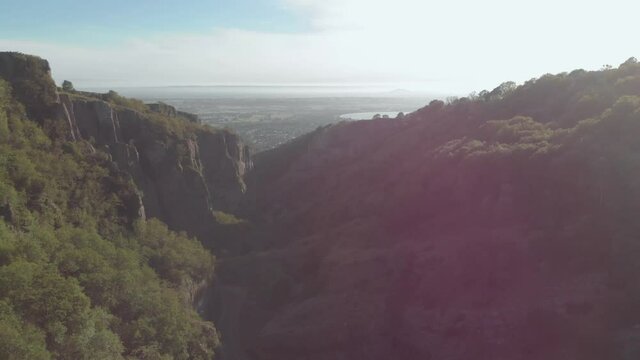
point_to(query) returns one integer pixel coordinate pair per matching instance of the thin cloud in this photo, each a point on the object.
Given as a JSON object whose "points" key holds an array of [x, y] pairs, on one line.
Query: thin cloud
{"points": [[468, 45]]}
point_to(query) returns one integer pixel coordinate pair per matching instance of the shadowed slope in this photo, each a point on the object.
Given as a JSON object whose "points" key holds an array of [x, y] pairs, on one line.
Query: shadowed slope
{"points": [[495, 227]]}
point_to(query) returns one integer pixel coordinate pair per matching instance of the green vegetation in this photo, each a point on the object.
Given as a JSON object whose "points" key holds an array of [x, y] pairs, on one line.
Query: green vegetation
{"points": [[80, 276], [226, 219], [67, 86]]}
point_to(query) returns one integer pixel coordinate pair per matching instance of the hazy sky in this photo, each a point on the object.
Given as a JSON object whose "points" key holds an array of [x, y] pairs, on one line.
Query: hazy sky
{"points": [[444, 46]]}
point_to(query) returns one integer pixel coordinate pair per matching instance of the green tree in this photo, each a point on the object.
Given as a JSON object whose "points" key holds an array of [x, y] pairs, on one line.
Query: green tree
{"points": [[20, 340], [67, 86]]}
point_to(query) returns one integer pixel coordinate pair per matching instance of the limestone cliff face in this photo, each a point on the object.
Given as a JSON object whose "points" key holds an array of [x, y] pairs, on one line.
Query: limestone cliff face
{"points": [[183, 174], [183, 170]]}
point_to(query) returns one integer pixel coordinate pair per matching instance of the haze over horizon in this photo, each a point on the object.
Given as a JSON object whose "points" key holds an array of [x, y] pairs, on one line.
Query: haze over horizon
{"points": [[417, 45]]}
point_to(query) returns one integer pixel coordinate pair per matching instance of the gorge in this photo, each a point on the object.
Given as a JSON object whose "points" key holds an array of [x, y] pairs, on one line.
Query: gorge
{"points": [[496, 226]]}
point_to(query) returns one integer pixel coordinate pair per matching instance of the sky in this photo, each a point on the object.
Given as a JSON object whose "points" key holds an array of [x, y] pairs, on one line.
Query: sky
{"points": [[443, 46]]}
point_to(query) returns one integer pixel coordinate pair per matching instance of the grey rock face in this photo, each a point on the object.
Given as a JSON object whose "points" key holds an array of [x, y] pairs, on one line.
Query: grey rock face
{"points": [[182, 177]]}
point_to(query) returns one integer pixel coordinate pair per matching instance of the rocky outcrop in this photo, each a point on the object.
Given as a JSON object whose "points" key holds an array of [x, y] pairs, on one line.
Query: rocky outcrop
{"points": [[183, 170], [184, 173], [225, 162], [164, 109], [172, 112], [30, 79]]}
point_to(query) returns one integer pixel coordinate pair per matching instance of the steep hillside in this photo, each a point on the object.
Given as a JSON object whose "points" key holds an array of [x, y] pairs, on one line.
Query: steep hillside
{"points": [[184, 170], [499, 226], [87, 271]]}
